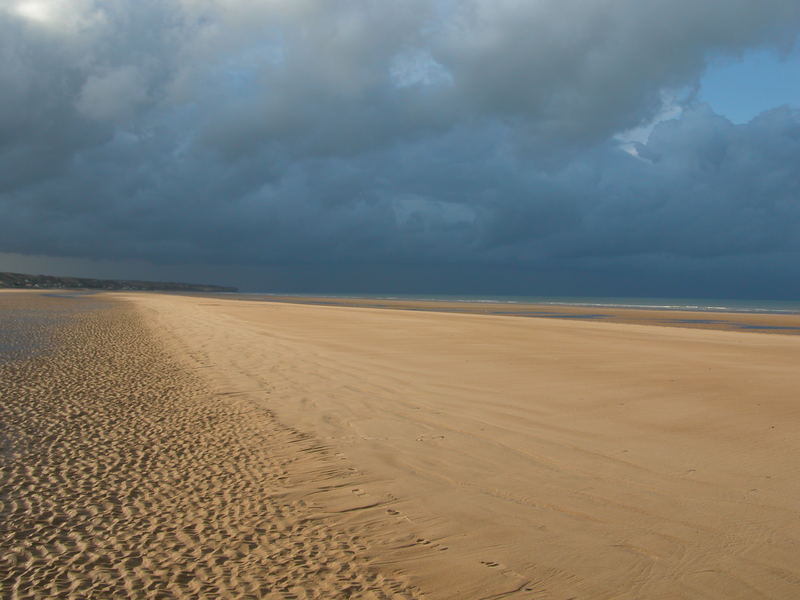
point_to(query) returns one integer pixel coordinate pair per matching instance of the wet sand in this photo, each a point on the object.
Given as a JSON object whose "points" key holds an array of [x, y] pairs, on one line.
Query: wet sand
{"points": [[328, 451], [788, 323]]}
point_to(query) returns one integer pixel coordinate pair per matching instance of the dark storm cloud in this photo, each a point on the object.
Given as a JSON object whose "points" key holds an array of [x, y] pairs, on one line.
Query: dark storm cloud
{"points": [[311, 132]]}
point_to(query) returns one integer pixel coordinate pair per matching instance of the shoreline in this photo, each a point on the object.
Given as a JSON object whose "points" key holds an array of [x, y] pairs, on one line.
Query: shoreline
{"points": [[757, 322], [667, 304]]}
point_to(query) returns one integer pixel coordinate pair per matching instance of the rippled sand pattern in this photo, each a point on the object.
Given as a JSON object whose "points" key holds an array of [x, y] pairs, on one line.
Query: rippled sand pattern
{"points": [[122, 476]]}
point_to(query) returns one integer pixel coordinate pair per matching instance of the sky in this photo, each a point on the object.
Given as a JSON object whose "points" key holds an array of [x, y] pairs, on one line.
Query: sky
{"points": [[526, 147], [742, 88]]}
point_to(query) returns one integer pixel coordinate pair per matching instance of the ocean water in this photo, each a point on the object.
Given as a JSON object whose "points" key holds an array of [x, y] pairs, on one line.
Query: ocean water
{"points": [[678, 304]]}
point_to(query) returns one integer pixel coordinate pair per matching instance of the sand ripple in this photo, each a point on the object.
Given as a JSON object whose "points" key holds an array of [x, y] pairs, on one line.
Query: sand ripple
{"points": [[122, 476]]}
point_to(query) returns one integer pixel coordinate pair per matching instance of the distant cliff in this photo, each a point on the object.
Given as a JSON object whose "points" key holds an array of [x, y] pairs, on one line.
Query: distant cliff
{"points": [[20, 280]]}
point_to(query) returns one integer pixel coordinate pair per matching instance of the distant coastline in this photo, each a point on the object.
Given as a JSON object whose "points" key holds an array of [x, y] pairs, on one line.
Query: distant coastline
{"points": [[25, 281]]}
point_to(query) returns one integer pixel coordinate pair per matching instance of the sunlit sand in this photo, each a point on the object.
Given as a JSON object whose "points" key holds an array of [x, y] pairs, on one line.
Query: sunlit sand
{"points": [[191, 445]]}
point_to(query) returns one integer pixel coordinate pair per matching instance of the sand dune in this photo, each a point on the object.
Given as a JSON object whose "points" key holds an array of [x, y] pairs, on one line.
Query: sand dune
{"points": [[196, 447]]}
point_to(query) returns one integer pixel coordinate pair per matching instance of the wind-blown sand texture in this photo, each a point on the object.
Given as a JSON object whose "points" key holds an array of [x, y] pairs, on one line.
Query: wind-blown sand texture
{"points": [[124, 477], [466, 456]]}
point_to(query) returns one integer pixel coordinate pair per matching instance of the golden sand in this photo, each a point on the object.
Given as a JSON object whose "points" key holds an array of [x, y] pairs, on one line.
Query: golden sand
{"points": [[314, 451], [780, 323], [125, 476]]}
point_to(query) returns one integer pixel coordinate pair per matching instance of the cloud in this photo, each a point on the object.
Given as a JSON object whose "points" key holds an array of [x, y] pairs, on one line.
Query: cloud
{"points": [[112, 95], [449, 131]]}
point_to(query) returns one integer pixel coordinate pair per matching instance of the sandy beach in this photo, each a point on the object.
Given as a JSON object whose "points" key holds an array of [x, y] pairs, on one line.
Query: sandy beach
{"points": [[787, 323], [124, 475], [177, 446]]}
